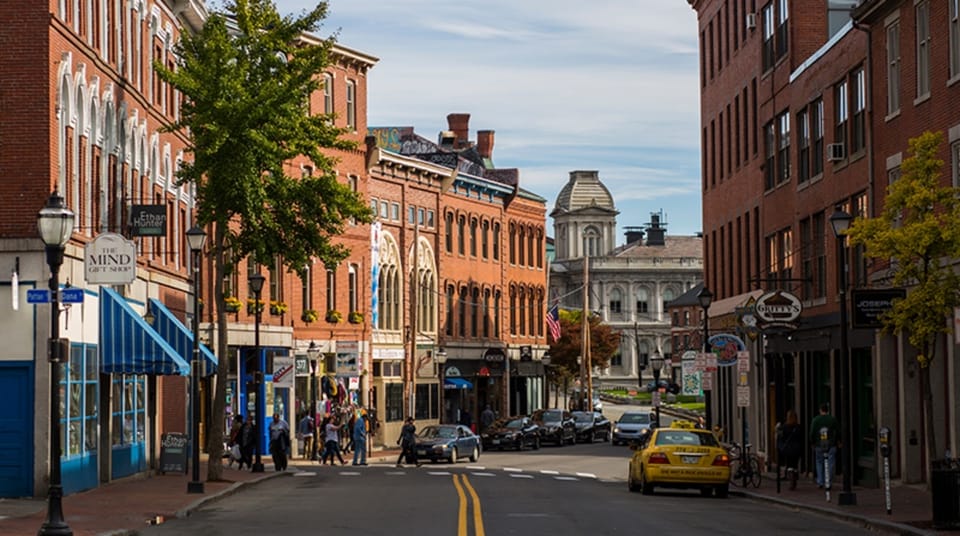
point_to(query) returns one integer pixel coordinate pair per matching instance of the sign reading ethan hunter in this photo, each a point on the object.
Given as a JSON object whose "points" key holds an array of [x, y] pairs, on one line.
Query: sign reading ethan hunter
{"points": [[148, 220], [110, 259]]}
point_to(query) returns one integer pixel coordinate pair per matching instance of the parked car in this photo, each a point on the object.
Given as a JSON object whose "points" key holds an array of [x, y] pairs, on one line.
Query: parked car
{"points": [[630, 426], [448, 442], [511, 433], [556, 426], [680, 456], [591, 426]]}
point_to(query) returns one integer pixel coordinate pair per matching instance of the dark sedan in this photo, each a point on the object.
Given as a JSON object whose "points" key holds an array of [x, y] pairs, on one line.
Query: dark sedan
{"points": [[591, 426], [556, 426], [450, 442], [512, 433]]}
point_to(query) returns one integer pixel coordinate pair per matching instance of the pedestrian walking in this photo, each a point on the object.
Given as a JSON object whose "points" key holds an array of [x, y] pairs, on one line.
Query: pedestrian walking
{"points": [[279, 442], [248, 440], [486, 418], [823, 435], [331, 438], [233, 443], [408, 443], [305, 434], [360, 439], [790, 446]]}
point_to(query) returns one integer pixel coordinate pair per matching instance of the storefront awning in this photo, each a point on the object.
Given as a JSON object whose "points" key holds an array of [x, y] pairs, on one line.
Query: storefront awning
{"points": [[456, 383], [128, 345], [179, 337]]}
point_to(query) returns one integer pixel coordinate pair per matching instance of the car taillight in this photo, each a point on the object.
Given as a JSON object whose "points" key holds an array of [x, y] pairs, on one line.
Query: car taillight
{"points": [[658, 457], [722, 460]]}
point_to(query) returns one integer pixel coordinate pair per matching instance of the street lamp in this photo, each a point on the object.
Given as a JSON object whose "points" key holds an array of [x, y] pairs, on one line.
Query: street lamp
{"points": [[705, 297], [840, 221], [545, 360], [636, 347], [656, 361], [256, 285], [195, 239], [55, 222], [313, 352], [440, 357]]}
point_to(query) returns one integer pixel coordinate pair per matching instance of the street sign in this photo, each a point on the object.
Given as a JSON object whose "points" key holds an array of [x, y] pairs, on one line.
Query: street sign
{"points": [[707, 381], [38, 295], [71, 295], [743, 396], [655, 399], [743, 361]]}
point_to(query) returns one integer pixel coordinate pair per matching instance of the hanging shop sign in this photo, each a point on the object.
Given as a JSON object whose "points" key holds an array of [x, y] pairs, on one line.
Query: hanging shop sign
{"points": [[110, 259], [870, 304], [778, 309], [494, 355], [148, 220], [726, 346]]}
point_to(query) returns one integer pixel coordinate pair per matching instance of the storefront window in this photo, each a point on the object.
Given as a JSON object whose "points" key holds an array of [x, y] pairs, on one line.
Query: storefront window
{"points": [[129, 405], [78, 400]]}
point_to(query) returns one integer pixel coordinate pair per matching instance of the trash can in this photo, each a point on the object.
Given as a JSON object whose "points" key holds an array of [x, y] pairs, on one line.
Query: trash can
{"points": [[945, 488]]}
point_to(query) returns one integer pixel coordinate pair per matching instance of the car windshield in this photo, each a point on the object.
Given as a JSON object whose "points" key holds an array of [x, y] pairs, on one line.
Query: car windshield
{"points": [[686, 437], [438, 432], [550, 416], [581, 416], [514, 423], [634, 418]]}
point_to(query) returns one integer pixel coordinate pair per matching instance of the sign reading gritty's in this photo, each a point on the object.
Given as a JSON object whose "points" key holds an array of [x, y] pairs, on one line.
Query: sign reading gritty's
{"points": [[778, 308]]}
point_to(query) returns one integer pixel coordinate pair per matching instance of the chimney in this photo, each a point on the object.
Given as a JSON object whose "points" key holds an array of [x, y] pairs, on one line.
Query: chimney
{"points": [[485, 143], [655, 231], [460, 125], [634, 234], [447, 137]]}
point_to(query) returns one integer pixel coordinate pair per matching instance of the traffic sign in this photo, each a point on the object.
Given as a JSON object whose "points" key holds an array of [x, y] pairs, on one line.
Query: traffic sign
{"points": [[38, 295], [71, 295]]}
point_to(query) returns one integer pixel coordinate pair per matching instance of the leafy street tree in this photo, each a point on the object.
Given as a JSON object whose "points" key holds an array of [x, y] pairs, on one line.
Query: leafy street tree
{"points": [[246, 79], [919, 233], [565, 353]]}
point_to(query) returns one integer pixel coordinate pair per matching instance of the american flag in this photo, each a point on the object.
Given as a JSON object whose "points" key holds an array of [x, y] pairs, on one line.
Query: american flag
{"points": [[553, 322]]}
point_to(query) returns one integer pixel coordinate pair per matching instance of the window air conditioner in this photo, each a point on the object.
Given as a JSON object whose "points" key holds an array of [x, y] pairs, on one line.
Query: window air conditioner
{"points": [[835, 152], [751, 21]]}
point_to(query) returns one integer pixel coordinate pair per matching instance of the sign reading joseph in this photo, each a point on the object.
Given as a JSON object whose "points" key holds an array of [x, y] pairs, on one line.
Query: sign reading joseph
{"points": [[110, 259]]}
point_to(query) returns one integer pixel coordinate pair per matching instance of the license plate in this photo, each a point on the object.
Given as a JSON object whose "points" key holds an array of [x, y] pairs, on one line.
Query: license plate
{"points": [[421, 453], [690, 459], [496, 441]]}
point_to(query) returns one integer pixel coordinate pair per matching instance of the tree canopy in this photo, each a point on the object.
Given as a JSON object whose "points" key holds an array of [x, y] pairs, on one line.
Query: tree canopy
{"points": [[565, 353]]}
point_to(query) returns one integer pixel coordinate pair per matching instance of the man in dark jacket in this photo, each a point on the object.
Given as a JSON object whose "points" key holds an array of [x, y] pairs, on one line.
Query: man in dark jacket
{"points": [[823, 436], [408, 443]]}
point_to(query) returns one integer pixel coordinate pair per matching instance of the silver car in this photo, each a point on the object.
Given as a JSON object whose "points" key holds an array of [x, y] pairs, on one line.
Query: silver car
{"points": [[630, 426]]}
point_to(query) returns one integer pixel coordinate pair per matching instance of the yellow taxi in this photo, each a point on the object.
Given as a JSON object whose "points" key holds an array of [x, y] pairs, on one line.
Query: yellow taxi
{"points": [[680, 456]]}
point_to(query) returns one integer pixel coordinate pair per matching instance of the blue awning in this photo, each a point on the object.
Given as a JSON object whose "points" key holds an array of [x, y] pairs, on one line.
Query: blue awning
{"points": [[128, 345], [177, 335], [456, 383]]}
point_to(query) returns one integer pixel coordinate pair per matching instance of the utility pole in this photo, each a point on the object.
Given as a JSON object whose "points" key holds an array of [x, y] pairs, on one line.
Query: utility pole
{"points": [[586, 385], [414, 283]]}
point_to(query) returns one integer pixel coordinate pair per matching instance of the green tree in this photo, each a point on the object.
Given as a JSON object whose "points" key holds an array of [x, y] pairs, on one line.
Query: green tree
{"points": [[565, 353], [919, 234], [246, 78]]}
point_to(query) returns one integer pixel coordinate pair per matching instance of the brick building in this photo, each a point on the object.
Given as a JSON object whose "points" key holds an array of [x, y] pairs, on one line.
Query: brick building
{"points": [[797, 122]]}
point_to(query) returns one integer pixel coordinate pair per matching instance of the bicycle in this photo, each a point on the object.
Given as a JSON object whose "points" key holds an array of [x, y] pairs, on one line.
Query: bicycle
{"points": [[744, 466]]}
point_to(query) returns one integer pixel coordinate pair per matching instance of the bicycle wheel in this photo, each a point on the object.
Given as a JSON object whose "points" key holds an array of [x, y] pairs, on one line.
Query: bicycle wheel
{"points": [[755, 474], [736, 472]]}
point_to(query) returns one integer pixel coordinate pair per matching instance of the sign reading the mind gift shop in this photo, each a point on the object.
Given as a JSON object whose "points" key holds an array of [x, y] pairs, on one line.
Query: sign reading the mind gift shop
{"points": [[110, 259]]}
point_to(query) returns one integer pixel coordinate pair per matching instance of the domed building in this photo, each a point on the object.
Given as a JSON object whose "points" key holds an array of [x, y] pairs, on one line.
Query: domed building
{"points": [[630, 284]]}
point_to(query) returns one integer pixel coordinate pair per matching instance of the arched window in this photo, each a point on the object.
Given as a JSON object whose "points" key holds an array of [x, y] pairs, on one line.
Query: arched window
{"points": [[530, 237], [485, 240], [512, 229], [327, 93], [486, 313], [521, 241], [351, 105], [473, 237], [390, 289], [461, 234], [513, 310], [522, 301], [643, 301], [450, 304], [668, 296], [475, 312], [532, 312], [462, 312], [591, 242], [616, 301], [496, 244], [539, 248], [497, 299], [448, 231]]}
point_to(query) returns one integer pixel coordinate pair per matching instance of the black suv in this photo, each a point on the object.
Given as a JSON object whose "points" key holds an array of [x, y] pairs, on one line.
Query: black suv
{"points": [[556, 426]]}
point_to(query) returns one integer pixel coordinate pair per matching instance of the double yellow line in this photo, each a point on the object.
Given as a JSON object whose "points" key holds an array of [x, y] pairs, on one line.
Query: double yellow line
{"points": [[462, 527]]}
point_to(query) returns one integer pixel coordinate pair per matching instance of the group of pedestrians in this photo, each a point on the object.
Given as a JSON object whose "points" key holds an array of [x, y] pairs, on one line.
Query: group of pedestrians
{"points": [[332, 431], [823, 437]]}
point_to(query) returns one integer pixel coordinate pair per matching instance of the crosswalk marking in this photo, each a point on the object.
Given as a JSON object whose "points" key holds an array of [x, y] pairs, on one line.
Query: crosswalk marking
{"points": [[515, 475]]}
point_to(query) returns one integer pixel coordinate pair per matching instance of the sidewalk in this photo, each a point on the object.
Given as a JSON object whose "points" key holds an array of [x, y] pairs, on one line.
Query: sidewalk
{"points": [[125, 506], [911, 505]]}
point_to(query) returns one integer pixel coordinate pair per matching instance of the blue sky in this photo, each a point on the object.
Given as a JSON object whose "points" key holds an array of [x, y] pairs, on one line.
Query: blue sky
{"points": [[608, 85]]}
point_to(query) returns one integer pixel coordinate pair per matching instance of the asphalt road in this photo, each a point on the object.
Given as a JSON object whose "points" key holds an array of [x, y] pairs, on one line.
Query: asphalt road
{"points": [[556, 491]]}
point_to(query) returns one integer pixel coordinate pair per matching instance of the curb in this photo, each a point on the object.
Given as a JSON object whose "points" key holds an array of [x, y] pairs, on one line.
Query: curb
{"points": [[859, 520], [203, 501]]}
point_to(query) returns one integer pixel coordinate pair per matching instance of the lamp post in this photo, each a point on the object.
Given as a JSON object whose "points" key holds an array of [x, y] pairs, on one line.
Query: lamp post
{"points": [[195, 239], [656, 361], [55, 223], [440, 357], [840, 221], [313, 352], [636, 346], [705, 297], [256, 285], [545, 360]]}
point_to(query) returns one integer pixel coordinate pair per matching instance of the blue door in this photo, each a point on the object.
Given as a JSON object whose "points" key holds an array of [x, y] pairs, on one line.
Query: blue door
{"points": [[16, 429]]}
